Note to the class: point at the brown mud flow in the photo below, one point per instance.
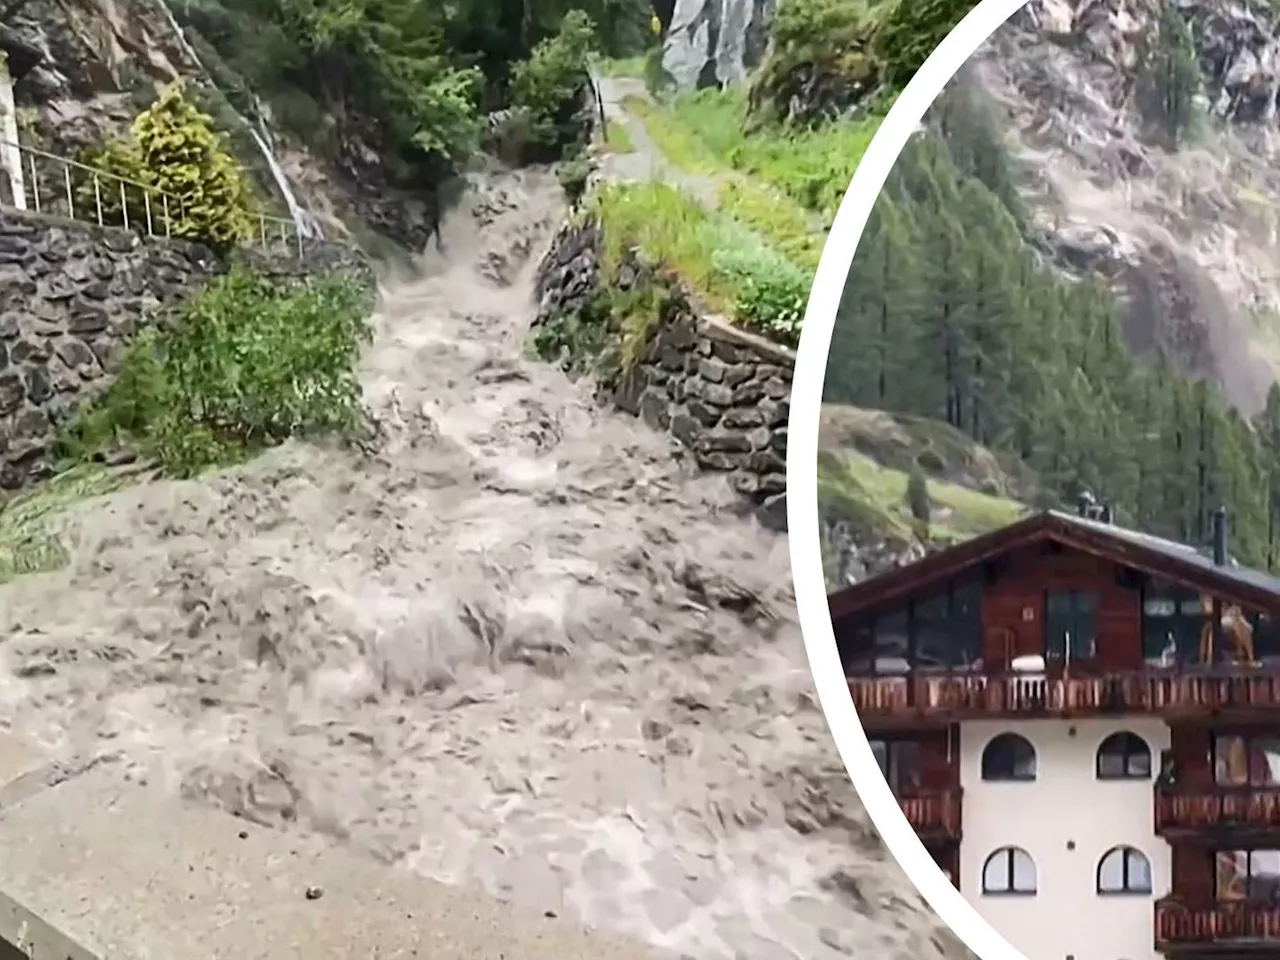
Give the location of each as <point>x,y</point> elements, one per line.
<point>518,646</point>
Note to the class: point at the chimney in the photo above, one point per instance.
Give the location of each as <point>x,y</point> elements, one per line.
<point>1108,513</point>
<point>1084,504</point>
<point>1220,536</point>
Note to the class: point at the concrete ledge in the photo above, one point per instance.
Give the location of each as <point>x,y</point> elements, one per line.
<point>94,870</point>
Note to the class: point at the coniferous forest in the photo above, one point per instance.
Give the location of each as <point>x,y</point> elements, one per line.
<point>950,313</point>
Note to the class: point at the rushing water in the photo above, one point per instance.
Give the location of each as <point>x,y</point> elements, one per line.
<point>518,647</point>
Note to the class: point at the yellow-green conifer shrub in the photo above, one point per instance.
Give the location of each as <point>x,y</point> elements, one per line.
<point>182,155</point>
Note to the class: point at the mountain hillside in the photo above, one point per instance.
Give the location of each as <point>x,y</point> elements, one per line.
<point>888,485</point>
<point>1074,263</point>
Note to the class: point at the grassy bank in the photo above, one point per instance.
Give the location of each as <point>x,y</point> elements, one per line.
<point>28,541</point>
<point>709,132</point>
<point>866,458</point>
<point>752,252</point>
<point>733,269</point>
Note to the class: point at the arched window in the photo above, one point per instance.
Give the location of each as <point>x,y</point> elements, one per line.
<point>1124,870</point>
<point>1010,870</point>
<point>1009,757</point>
<point>1124,756</point>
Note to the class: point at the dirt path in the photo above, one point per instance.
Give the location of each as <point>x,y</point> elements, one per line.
<point>646,161</point>
<point>520,648</point>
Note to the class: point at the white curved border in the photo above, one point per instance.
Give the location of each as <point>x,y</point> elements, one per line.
<point>802,480</point>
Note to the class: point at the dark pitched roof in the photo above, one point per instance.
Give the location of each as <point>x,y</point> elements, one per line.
<point>1179,563</point>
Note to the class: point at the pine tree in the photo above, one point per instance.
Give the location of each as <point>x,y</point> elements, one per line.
<point>1169,80</point>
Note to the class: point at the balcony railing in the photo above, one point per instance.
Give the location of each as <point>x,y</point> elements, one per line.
<point>1239,808</point>
<point>976,695</point>
<point>933,814</point>
<point>1230,923</point>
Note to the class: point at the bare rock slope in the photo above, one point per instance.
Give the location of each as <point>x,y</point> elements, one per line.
<point>517,646</point>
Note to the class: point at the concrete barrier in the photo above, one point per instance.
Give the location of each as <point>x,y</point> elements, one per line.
<point>91,869</point>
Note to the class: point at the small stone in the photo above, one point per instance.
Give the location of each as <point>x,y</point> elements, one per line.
<point>652,729</point>
<point>313,893</point>
<point>711,369</point>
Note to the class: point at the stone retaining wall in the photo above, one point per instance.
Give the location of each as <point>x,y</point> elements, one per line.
<point>71,293</point>
<point>721,392</point>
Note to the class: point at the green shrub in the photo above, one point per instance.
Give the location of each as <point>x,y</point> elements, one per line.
<point>910,30</point>
<point>573,176</point>
<point>770,292</point>
<point>243,366</point>
<point>550,86</point>
<point>174,150</point>
<point>918,502</point>
<point>183,156</point>
<point>112,199</point>
<point>821,62</point>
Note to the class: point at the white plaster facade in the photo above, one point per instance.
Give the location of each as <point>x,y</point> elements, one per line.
<point>1066,819</point>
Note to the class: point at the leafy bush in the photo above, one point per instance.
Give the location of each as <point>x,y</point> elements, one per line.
<point>573,176</point>
<point>918,502</point>
<point>174,150</point>
<point>729,266</point>
<point>910,30</point>
<point>770,291</point>
<point>821,62</point>
<point>183,156</point>
<point>1169,81</point>
<point>243,366</point>
<point>550,87</point>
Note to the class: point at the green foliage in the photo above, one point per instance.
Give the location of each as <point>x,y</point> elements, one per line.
<point>174,151</point>
<point>245,365</point>
<point>820,64</point>
<point>730,267</point>
<point>573,176</point>
<point>909,30</point>
<point>550,87</point>
<point>812,167</point>
<point>28,544</point>
<point>770,292</point>
<point>580,341</point>
<point>183,157</point>
<point>656,78</point>
<point>948,314</point>
<point>1169,80</point>
<point>917,497</point>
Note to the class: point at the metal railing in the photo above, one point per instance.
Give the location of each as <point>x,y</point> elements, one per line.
<point>62,187</point>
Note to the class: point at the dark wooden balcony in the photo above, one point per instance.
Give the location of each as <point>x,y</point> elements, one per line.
<point>1229,928</point>
<point>933,814</point>
<point>886,701</point>
<point>1219,813</point>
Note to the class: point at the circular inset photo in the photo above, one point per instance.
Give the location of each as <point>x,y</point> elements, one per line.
<point>1034,468</point>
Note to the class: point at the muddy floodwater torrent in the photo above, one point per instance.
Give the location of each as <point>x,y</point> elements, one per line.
<point>518,646</point>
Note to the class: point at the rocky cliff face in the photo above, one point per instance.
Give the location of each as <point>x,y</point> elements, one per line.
<point>715,42</point>
<point>1189,237</point>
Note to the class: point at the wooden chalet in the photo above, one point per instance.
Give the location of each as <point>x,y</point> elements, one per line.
<point>1061,616</point>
